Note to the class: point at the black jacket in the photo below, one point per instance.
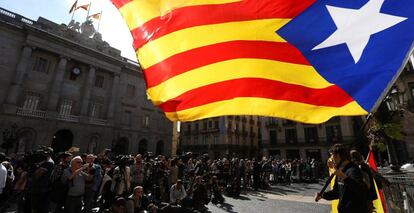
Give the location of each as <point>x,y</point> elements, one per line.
<point>352,192</point>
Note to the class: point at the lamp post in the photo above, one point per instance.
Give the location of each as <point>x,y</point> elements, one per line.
<point>9,137</point>
<point>395,105</point>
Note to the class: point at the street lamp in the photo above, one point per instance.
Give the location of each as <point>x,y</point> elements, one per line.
<point>395,104</point>
<point>395,101</point>
<point>9,137</point>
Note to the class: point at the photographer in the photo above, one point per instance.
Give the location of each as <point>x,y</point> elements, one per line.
<point>122,176</point>
<point>75,177</point>
<point>39,185</point>
<point>92,186</point>
<point>58,190</point>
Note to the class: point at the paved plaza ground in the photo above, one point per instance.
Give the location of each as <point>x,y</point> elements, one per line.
<point>295,198</point>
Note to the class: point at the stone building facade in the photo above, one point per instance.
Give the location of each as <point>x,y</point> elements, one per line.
<point>65,89</point>
<point>289,140</point>
<point>225,136</point>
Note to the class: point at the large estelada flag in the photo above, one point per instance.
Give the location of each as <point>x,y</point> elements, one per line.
<point>303,60</point>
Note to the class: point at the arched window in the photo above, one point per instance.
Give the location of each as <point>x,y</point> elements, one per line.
<point>160,148</point>
<point>143,146</point>
<point>62,140</point>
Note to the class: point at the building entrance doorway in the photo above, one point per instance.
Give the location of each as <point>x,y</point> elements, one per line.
<point>62,141</point>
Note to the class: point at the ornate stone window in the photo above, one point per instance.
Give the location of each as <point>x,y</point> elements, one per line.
<point>41,65</point>
<point>99,81</point>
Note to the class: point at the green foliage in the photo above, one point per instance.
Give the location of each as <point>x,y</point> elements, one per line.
<point>393,130</point>
<point>381,146</point>
<point>379,133</point>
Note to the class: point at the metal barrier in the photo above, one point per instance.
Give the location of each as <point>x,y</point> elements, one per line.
<point>398,190</point>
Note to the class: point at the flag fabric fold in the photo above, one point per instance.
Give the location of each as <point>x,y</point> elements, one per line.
<point>85,7</point>
<point>293,59</point>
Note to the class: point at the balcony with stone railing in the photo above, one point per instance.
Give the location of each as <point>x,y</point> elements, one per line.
<point>98,121</point>
<point>31,113</point>
<point>57,116</point>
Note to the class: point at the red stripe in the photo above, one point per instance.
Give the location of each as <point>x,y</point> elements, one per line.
<point>119,3</point>
<point>331,96</point>
<point>173,66</point>
<point>192,16</point>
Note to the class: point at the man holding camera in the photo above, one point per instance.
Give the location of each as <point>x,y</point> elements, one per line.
<point>92,186</point>
<point>76,177</point>
<point>39,184</point>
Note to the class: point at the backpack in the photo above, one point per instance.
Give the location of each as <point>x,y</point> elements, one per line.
<point>365,177</point>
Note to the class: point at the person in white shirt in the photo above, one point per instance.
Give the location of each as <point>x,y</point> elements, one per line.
<point>177,192</point>
<point>3,176</point>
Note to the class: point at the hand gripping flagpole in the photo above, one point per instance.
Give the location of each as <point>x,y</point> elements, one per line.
<point>328,181</point>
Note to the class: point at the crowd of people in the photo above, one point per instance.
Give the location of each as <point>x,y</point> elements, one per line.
<point>44,181</point>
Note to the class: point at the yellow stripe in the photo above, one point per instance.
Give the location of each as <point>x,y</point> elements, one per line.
<point>378,202</point>
<point>266,107</point>
<point>187,39</point>
<point>137,12</point>
<point>237,68</point>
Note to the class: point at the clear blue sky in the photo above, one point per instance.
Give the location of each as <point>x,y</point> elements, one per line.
<point>113,28</point>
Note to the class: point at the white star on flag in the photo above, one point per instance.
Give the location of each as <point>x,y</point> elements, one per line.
<point>355,26</point>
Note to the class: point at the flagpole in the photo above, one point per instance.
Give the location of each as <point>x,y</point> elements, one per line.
<point>89,9</point>
<point>74,9</point>
<point>73,13</point>
<point>100,18</point>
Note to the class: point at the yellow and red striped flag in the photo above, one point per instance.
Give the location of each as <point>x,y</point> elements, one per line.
<point>96,16</point>
<point>207,58</point>
<point>379,204</point>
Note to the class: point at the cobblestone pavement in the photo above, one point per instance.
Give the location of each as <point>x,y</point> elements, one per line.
<point>279,199</point>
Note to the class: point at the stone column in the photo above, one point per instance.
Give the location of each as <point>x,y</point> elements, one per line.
<point>16,85</point>
<point>87,92</point>
<point>57,83</point>
<point>113,99</point>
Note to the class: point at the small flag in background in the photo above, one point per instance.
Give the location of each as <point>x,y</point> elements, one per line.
<point>73,8</point>
<point>379,204</point>
<point>96,16</point>
<point>302,60</point>
<point>85,7</point>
